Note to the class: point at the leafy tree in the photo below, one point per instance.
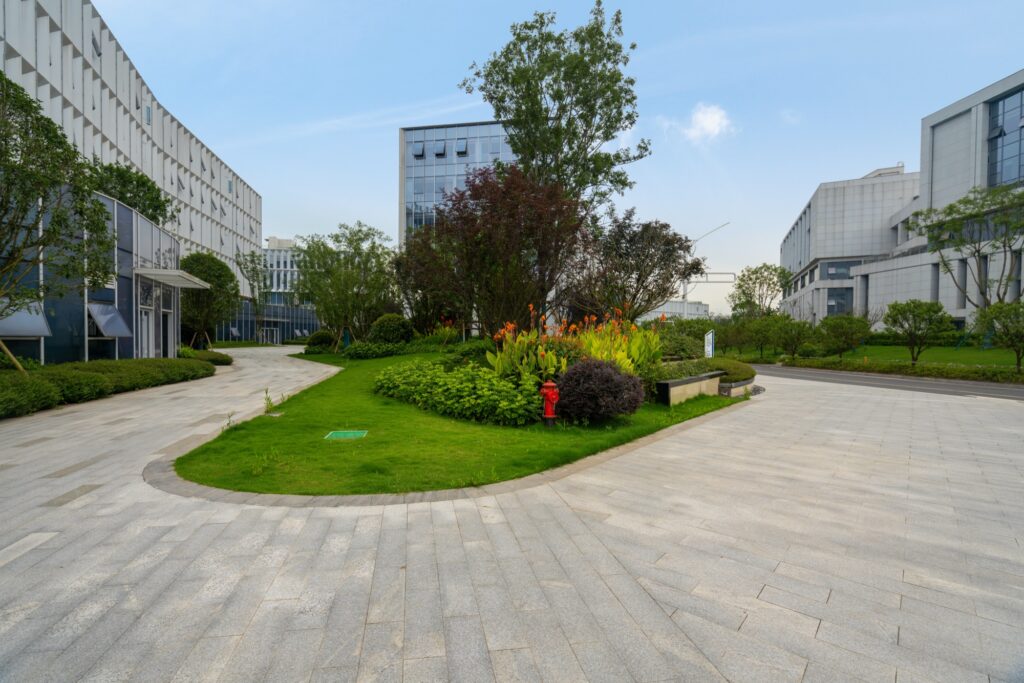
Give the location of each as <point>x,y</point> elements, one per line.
<point>985,225</point>
<point>425,305</point>
<point>758,289</point>
<point>761,332</point>
<point>843,333</point>
<point>791,334</point>
<point>630,265</point>
<point>136,189</point>
<point>47,206</point>
<point>1006,322</point>
<point>253,266</point>
<point>348,278</point>
<point>563,98</point>
<point>918,322</point>
<point>731,333</point>
<point>500,245</point>
<point>203,309</point>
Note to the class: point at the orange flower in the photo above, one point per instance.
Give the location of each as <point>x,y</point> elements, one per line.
<point>663,318</point>
<point>632,328</point>
<point>531,308</point>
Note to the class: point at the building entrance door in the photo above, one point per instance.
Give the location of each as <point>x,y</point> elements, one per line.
<point>165,334</point>
<point>145,333</point>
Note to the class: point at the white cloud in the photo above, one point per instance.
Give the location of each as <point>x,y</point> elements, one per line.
<point>791,117</point>
<point>707,122</point>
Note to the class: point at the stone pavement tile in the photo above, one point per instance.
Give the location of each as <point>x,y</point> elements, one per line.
<point>864,616</point>
<point>457,597</point>
<point>523,587</point>
<point>294,656</point>
<point>575,619</point>
<point>340,674</point>
<point>381,656</point>
<point>905,659</point>
<point>514,666</point>
<point>552,653</point>
<point>424,625</point>
<point>83,654</point>
<point>502,623</point>
<point>855,588</point>
<point>254,654</point>
<point>427,670</point>
<point>387,595</point>
<point>466,649</point>
<point>739,657</point>
<point>599,663</point>
<point>206,660</point>
<point>723,614</point>
<point>158,663</point>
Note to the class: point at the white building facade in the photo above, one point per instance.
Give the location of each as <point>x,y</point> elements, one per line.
<point>678,308</point>
<point>63,53</point>
<point>974,142</point>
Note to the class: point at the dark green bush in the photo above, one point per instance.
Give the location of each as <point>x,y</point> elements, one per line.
<point>390,328</point>
<point>469,392</point>
<point>472,351</point>
<point>811,351</point>
<point>26,363</point>
<point>735,371</point>
<point>185,351</point>
<point>316,350</point>
<point>75,386</point>
<point>596,391</point>
<point>364,350</point>
<point>984,373</point>
<point>322,337</point>
<point>214,357</point>
<point>21,395</point>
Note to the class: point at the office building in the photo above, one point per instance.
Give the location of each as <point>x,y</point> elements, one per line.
<point>974,142</point>
<point>63,53</point>
<point>674,308</point>
<point>435,159</point>
<point>137,316</point>
<point>284,317</point>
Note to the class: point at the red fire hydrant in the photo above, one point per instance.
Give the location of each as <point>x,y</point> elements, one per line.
<point>549,392</point>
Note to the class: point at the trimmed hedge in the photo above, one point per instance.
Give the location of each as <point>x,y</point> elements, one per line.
<point>215,357</point>
<point>889,338</point>
<point>981,373</point>
<point>321,338</point>
<point>76,382</point>
<point>735,371</point>
<point>364,350</point>
<point>469,392</point>
<point>21,395</point>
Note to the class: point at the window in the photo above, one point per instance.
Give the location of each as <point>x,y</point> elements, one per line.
<point>439,148</point>
<point>231,186</point>
<point>461,147</point>
<point>839,270</point>
<point>839,300</point>
<point>1006,128</point>
<point>417,150</point>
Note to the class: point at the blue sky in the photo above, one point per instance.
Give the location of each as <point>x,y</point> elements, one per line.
<point>749,105</point>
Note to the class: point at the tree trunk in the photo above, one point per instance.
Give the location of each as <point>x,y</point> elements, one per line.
<point>19,368</point>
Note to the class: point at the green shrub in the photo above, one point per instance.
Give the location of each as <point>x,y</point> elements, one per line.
<point>364,350</point>
<point>984,373</point>
<point>316,350</point>
<point>598,391</point>
<point>469,392</point>
<point>682,346</point>
<point>810,351</point>
<point>671,370</point>
<point>472,351</point>
<point>322,337</point>
<point>735,371</point>
<point>21,394</point>
<point>390,328</point>
<point>76,386</point>
<point>26,363</point>
<point>186,352</point>
<point>214,357</point>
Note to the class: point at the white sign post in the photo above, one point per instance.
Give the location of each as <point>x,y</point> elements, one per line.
<point>709,344</point>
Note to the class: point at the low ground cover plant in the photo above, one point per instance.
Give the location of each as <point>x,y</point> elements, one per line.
<point>214,357</point>
<point>51,385</point>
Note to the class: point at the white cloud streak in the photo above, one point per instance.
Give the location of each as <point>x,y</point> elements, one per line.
<point>707,122</point>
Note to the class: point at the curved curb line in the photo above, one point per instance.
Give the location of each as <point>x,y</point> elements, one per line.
<point>160,474</point>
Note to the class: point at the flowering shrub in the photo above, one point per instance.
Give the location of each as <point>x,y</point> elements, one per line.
<point>468,392</point>
<point>527,354</point>
<point>633,349</point>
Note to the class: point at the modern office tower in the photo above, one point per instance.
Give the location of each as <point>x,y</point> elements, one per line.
<point>974,142</point>
<point>284,318</point>
<point>63,53</point>
<point>435,159</point>
<point>843,224</point>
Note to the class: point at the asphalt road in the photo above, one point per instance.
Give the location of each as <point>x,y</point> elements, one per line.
<point>953,387</point>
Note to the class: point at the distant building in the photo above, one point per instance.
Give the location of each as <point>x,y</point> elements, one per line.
<point>435,159</point>
<point>284,317</point>
<point>679,309</point>
<point>868,262</point>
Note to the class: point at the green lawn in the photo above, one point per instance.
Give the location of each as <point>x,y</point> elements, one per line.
<point>236,344</point>
<point>965,355</point>
<point>406,449</point>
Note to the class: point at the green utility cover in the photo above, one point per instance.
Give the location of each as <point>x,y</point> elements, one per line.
<point>352,434</point>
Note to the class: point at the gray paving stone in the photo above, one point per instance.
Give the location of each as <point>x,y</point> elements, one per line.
<point>466,649</point>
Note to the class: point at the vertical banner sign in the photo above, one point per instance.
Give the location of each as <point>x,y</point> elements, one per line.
<point>709,344</point>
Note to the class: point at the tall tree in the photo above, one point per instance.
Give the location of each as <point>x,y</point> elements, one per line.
<point>1005,321</point>
<point>758,289</point>
<point>630,265</point>
<point>564,98</point>
<point>253,267</point>
<point>136,189</point>
<point>791,334</point>
<point>48,210</point>
<point>919,323</point>
<point>498,246</point>
<point>984,226</point>
<point>842,333</point>
<point>203,309</point>
<point>348,278</point>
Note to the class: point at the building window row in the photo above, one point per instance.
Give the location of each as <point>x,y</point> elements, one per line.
<point>1006,128</point>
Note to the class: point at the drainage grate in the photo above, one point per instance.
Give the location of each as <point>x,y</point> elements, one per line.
<point>351,434</point>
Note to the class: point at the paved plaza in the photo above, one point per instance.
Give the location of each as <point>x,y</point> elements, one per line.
<point>820,532</point>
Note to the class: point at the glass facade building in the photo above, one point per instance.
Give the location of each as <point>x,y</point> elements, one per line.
<point>1005,130</point>
<point>435,160</point>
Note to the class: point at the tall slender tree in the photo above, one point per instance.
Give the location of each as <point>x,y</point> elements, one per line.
<point>253,267</point>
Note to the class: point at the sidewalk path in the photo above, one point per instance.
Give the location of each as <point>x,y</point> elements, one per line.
<point>824,532</point>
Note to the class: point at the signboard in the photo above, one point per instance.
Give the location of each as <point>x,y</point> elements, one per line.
<point>709,344</point>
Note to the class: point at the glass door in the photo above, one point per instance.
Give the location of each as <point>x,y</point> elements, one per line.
<point>145,333</point>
